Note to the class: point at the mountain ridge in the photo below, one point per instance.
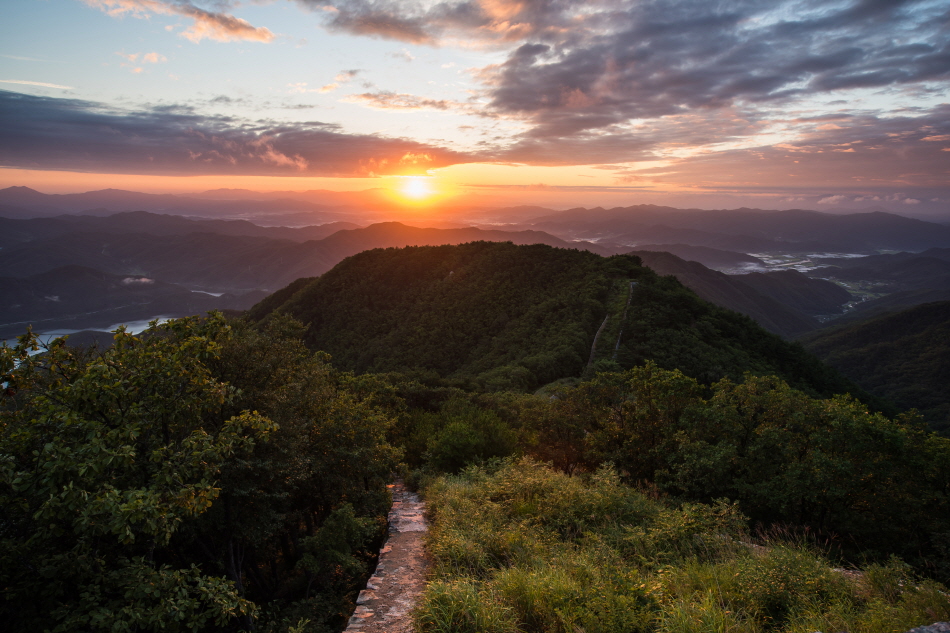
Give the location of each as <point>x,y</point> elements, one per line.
<point>501,315</point>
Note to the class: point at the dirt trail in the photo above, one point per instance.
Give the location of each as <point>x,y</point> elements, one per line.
<point>391,593</point>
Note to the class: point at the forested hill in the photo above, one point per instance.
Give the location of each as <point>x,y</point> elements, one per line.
<point>498,315</point>
<point>904,357</point>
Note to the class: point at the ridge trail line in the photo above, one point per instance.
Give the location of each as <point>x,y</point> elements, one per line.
<point>386,604</point>
<point>623,319</point>
<point>593,347</point>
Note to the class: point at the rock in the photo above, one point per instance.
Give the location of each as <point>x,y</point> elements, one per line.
<point>936,627</point>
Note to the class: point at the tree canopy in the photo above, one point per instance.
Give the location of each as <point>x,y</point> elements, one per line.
<point>195,477</point>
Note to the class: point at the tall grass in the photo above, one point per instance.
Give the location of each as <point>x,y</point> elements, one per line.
<point>521,548</point>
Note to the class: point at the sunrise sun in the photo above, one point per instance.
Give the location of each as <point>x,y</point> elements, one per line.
<point>415,187</point>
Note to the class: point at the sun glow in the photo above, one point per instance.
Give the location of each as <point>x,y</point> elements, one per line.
<point>415,187</point>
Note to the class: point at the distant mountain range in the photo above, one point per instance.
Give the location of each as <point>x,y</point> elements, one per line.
<point>748,230</point>
<point>222,263</point>
<point>25,203</point>
<point>238,256</point>
<point>283,208</point>
<point>703,249</point>
<point>21,231</point>
<point>741,230</point>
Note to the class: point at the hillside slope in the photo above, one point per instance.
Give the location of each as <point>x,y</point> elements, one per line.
<point>14,231</point>
<point>729,292</point>
<point>904,357</point>
<point>498,315</point>
<point>714,258</point>
<point>814,297</point>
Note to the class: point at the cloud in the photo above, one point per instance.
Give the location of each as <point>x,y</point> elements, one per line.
<point>669,57</point>
<point>574,68</point>
<point>834,199</point>
<point>376,19</point>
<point>217,26</point>
<point>401,101</point>
<point>153,58</point>
<point>346,75</point>
<point>404,55</point>
<point>76,135</point>
<point>133,59</point>
<point>34,83</point>
<point>559,142</point>
<point>473,22</point>
<point>301,86</point>
<point>341,78</point>
<point>890,154</point>
<point>23,59</point>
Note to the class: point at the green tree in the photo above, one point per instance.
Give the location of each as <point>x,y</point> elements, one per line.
<point>178,479</point>
<point>104,457</point>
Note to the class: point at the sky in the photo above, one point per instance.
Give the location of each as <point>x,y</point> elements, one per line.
<point>823,104</point>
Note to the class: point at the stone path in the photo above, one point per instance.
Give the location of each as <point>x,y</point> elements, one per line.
<point>391,593</point>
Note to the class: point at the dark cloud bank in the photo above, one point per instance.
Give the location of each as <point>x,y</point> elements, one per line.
<point>70,134</point>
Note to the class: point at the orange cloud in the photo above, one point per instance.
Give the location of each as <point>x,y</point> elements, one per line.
<point>401,101</point>
<point>220,27</point>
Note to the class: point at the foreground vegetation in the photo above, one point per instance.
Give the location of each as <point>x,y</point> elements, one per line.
<point>868,485</point>
<point>204,476</point>
<point>211,475</point>
<point>518,546</point>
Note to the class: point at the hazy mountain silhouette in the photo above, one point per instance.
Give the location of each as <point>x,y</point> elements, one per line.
<point>750,230</point>
<point>13,231</point>
<point>20,201</point>
<point>814,297</point>
<point>215,262</point>
<point>743,230</point>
